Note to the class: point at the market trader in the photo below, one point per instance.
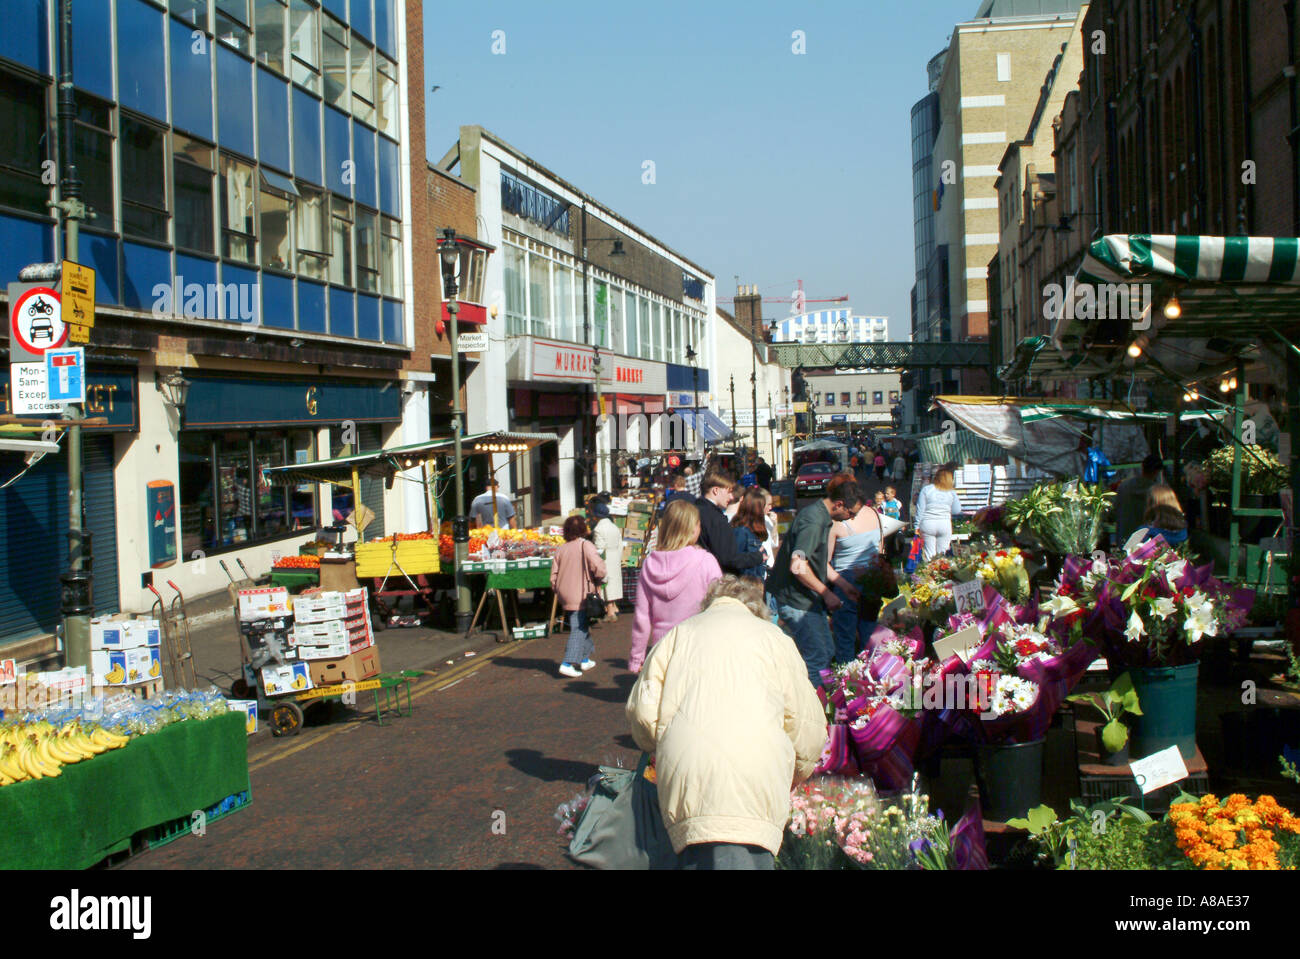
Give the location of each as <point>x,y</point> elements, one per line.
<point>715,531</point>
<point>481,509</point>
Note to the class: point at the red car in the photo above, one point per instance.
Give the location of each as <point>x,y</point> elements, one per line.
<point>812,478</point>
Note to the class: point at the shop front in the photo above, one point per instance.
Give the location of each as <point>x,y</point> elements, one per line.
<point>34,516</point>
<point>552,387</point>
<point>232,429</point>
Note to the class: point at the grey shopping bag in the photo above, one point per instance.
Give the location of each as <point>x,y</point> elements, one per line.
<point>622,828</point>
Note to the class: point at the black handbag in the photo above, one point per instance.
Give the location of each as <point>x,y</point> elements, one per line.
<point>593,606</point>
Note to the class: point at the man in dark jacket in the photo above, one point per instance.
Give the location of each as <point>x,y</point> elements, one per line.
<point>715,532</point>
<point>763,473</point>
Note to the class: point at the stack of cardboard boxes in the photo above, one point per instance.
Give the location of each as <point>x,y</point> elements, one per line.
<point>636,530</point>
<point>320,639</point>
<point>125,652</point>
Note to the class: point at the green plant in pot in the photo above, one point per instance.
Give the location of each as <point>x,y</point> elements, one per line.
<point>1114,704</point>
<point>1262,473</point>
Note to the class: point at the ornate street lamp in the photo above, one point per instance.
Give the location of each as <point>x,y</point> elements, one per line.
<point>449,252</point>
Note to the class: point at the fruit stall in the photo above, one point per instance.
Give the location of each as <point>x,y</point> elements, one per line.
<point>85,778</point>
<point>418,565</point>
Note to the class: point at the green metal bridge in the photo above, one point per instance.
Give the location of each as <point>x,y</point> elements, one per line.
<point>878,356</point>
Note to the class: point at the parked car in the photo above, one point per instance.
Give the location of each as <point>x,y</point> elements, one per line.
<point>812,478</point>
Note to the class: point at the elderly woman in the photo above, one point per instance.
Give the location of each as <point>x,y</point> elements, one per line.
<point>724,702</point>
<point>608,540</point>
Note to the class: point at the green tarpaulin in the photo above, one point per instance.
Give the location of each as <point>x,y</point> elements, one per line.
<point>97,805</point>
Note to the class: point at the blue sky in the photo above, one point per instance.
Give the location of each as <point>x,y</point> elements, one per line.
<point>770,165</point>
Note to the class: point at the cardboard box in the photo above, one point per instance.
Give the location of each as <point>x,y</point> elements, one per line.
<point>249,708</point>
<point>637,521</point>
<point>332,651</point>
<point>263,603</point>
<point>143,632</point>
<point>125,667</point>
<point>124,634</point>
<point>289,678</point>
<point>322,607</point>
<point>349,669</point>
<point>319,634</point>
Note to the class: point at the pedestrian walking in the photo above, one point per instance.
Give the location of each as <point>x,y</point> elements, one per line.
<point>693,478</point>
<point>722,704</point>
<point>935,507</point>
<point>900,467</point>
<point>749,527</point>
<point>852,547</point>
<point>673,580</point>
<point>608,540</point>
<point>763,473</point>
<point>802,600</point>
<point>880,466</point>
<point>576,568</point>
<point>715,529</point>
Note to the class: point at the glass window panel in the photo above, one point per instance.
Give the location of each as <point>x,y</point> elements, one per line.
<point>302,498</point>
<point>313,232</point>
<point>539,294</point>
<point>367,233</point>
<point>341,242</point>
<point>92,144</point>
<point>22,117</point>
<point>232,34</point>
<point>387,120</point>
<point>269,33</point>
<point>363,82</point>
<point>277,229</point>
<point>192,174</point>
<point>235,8</point>
<point>568,327</point>
<point>657,331</point>
<point>630,324</point>
<point>390,267</point>
<point>600,313</point>
<point>304,29</point>
<point>616,319</point>
<point>514,291</point>
<point>193,12</point>
<point>272,501</point>
<point>472,268</point>
<point>334,65</point>
<point>235,489</point>
<point>238,211</point>
<point>198,505</point>
<point>647,341</point>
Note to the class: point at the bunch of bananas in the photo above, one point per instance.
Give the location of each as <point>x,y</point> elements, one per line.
<point>39,750</point>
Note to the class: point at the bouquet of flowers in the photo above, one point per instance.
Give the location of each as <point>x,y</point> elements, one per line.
<point>1237,833</point>
<point>1004,570</point>
<point>873,705</point>
<point>1262,473</point>
<point>1065,517</point>
<point>1152,608</point>
<point>846,823</point>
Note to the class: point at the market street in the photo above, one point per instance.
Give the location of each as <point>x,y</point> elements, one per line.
<point>503,733</point>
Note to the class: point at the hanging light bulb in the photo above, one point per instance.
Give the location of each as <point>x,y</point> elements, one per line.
<point>1173,309</point>
<point>1134,349</point>
<point>1225,387</point>
<point>1232,383</point>
<point>1191,396</point>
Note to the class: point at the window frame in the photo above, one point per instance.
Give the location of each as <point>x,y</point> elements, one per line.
<point>44,140</point>
<point>302,72</point>
<point>344,211</point>
<point>185,160</point>
<point>164,141</point>
<point>253,261</point>
<point>281,68</point>
<point>107,219</point>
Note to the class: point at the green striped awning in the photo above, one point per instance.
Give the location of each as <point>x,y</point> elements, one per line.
<point>1234,292</point>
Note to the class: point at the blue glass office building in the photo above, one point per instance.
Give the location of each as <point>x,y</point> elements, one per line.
<point>244,163</point>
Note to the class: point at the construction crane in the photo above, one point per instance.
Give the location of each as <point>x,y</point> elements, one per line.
<point>797,302</point>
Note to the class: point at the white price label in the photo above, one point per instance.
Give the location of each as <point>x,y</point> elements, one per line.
<point>1159,770</point>
<point>961,644</point>
<point>968,597</point>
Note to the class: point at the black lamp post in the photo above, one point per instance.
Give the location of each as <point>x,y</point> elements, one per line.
<point>692,358</point>
<point>733,411</point>
<point>449,252</point>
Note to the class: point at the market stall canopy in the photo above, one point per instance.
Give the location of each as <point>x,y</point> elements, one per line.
<point>820,446</point>
<point>1195,305</point>
<point>1054,434</point>
<point>714,430</point>
<point>396,459</point>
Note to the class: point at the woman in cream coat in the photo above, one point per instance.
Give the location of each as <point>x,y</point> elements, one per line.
<point>725,704</point>
<point>608,540</point>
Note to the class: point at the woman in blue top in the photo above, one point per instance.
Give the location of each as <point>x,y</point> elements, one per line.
<point>1164,516</point>
<point>749,526</point>
<point>935,507</point>
<point>853,545</point>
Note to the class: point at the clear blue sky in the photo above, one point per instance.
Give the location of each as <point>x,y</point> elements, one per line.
<point>770,165</point>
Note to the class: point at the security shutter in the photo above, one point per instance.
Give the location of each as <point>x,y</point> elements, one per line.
<point>34,544</point>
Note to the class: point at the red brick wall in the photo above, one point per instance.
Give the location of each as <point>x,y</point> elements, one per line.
<point>423,252</point>
<point>449,203</point>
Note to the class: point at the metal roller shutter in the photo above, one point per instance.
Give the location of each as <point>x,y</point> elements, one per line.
<point>369,439</point>
<point>33,539</point>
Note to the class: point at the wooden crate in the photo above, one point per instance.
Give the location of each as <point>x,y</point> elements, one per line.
<point>413,555</point>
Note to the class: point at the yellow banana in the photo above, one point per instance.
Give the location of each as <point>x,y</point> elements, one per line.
<point>56,748</point>
<point>9,764</point>
<point>42,750</point>
<point>111,740</point>
<point>31,765</point>
<point>79,744</point>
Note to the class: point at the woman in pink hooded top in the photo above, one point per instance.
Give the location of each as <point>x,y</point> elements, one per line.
<point>674,579</point>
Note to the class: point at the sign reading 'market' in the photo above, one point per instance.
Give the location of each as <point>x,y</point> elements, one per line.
<point>552,361</point>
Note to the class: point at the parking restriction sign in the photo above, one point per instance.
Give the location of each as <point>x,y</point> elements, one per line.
<point>65,372</point>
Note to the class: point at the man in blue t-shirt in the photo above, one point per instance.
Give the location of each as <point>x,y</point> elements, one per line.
<point>481,509</point>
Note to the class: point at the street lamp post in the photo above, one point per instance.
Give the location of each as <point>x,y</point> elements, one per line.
<point>733,411</point>
<point>692,357</point>
<point>449,252</point>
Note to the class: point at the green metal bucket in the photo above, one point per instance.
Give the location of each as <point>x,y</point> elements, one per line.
<point>1010,778</point>
<point>1167,696</point>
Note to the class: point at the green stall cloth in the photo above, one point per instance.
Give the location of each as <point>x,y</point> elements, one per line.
<point>91,811</point>
<point>521,579</point>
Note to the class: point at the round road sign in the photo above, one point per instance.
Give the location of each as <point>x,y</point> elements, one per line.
<point>36,320</point>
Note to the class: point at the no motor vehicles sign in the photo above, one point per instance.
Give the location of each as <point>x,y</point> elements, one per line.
<point>35,322</point>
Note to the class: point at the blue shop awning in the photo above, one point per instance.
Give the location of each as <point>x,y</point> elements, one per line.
<point>714,430</point>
